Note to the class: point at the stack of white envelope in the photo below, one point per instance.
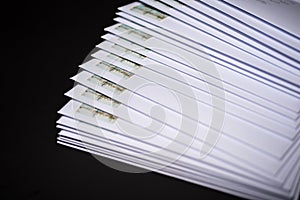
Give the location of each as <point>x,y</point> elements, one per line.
<point>203,90</point>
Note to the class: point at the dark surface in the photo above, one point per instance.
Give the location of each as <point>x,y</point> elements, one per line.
<point>43,45</point>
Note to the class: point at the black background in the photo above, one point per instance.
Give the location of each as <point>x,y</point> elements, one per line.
<point>42,46</point>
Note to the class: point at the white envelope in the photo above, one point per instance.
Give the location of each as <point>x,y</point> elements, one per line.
<point>201,92</point>
<point>249,25</point>
<point>269,164</point>
<point>267,11</point>
<point>206,18</point>
<point>147,56</point>
<point>80,137</point>
<point>221,33</point>
<point>231,77</point>
<point>220,49</point>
